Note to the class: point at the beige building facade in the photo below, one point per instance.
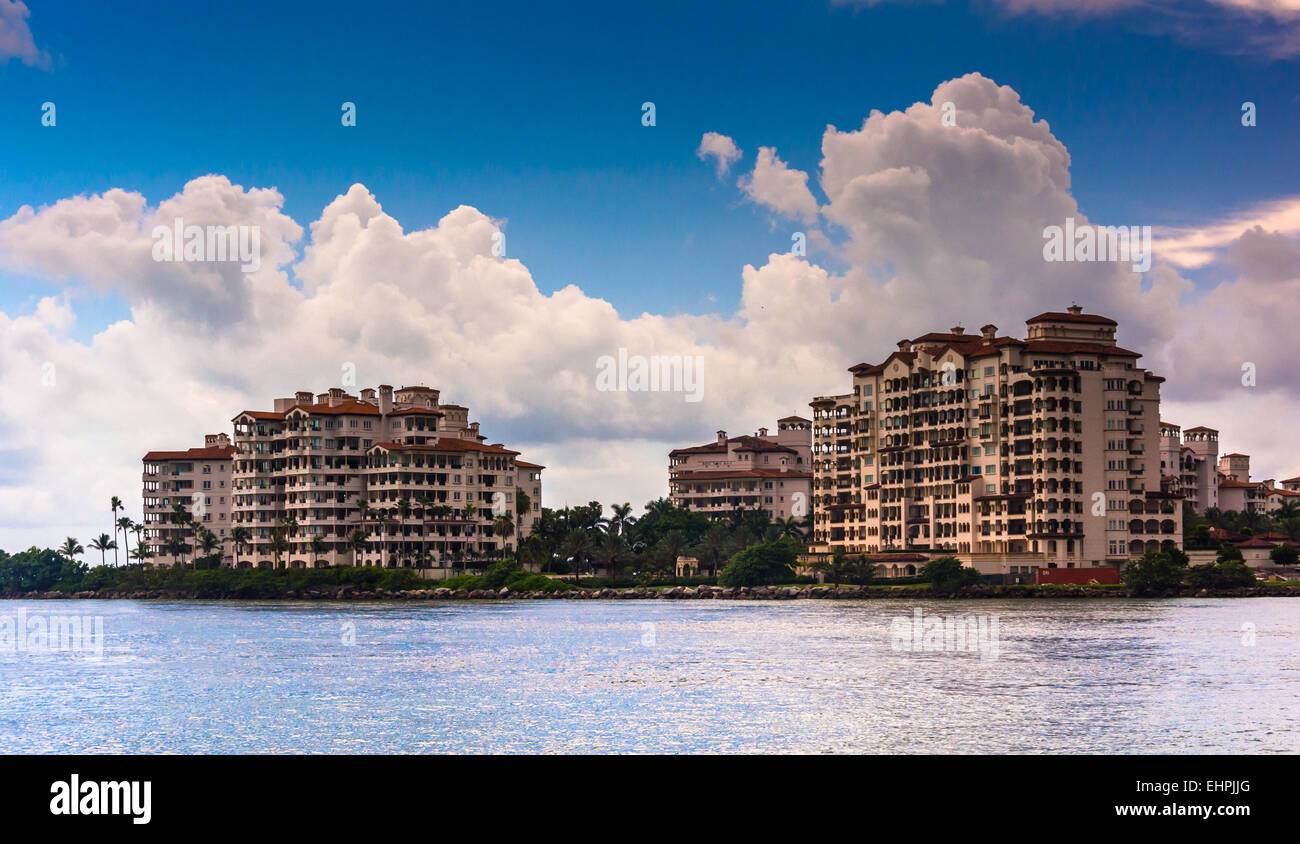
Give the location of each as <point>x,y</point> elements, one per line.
<point>201,481</point>
<point>1009,453</point>
<point>391,478</point>
<point>765,471</point>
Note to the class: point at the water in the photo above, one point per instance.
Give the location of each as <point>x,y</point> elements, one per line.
<point>813,676</point>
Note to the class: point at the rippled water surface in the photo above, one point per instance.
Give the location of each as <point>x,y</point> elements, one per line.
<point>1175,676</point>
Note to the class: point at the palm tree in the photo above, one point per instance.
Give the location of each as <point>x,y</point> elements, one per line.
<point>140,554</point>
<point>317,548</point>
<point>403,512</point>
<point>71,549</point>
<point>790,527</point>
<point>575,549</point>
<point>384,517</point>
<point>1286,510</point>
<point>289,525</point>
<point>116,504</point>
<point>622,518</point>
<point>523,505</point>
<point>209,542</point>
<point>611,552</point>
<point>102,544</point>
<point>125,525</point>
<point>278,545</point>
<point>196,533</point>
<point>426,504</point>
<point>138,529</point>
<point>503,526</point>
<point>714,546</point>
<point>239,537</point>
<point>175,547</point>
<point>357,545</point>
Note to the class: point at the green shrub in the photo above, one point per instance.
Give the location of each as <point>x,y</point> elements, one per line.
<point>947,574</point>
<point>1225,575</point>
<point>760,565</point>
<point>1284,555</point>
<point>1156,572</point>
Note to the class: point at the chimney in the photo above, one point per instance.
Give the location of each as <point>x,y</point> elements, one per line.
<point>385,399</point>
<point>323,398</point>
<point>1075,309</point>
<point>905,345</point>
<point>302,397</point>
<point>722,437</point>
<point>336,396</point>
<point>762,432</point>
<point>473,430</point>
<point>958,330</point>
<point>989,332</point>
<point>368,394</point>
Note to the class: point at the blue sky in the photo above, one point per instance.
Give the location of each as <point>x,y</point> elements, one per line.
<point>532,115</point>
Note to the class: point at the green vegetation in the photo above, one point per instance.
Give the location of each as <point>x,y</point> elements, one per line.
<point>763,564</point>
<point>581,540</point>
<point>1224,575</point>
<point>1156,572</point>
<point>947,574</point>
<point>39,570</point>
<point>1284,555</point>
<point>1285,521</point>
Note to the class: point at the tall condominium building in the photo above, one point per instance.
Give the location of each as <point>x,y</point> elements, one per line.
<point>412,475</point>
<point>760,472</point>
<point>200,480</point>
<point>1008,453</point>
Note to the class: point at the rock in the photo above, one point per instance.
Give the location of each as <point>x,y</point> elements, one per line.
<point>504,593</point>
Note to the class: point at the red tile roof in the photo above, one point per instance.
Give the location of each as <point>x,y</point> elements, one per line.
<point>344,407</point>
<point>723,474</point>
<point>523,464</point>
<point>1057,316</point>
<point>445,444</point>
<point>216,452</point>
<point>745,443</point>
<point>1065,347</point>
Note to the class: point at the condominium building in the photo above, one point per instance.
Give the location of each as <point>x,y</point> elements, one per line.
<point>770,472</point>
<point>414,477</point>
<point>1009,453</point>
<point>200,480</point>
<point>1191,466</point>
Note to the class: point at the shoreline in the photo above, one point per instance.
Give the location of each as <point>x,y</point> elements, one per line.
<point>743,593</point>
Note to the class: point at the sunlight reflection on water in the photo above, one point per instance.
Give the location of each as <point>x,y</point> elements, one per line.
<point>658,676</point>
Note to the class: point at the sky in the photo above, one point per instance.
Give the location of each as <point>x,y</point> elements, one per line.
<point>520,126</point>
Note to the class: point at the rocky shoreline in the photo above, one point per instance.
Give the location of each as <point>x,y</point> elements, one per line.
<point>744,593</point>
